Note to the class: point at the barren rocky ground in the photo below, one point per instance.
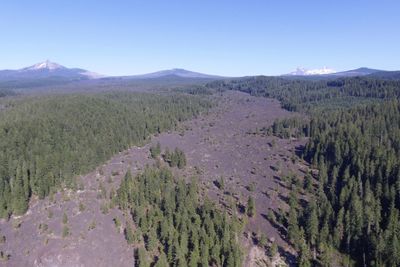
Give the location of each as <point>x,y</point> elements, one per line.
<point>217,144</point>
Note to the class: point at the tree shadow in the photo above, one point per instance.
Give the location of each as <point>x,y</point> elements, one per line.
<point>241,208</point>
<point>303,171</point>
<point>289,257</point>
<point>280,182</point>
<point>281,229</point>
<point>217,184</point>
<point>303,203</point>
<point>266,194</point>
<point>277,178</point>
<point>283,198</point>
<point>298,150</point>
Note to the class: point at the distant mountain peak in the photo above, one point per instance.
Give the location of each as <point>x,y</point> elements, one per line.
<point>48,69</point>
<point>178,72</point>
<point>357,72</point>
<point>45,65</point>
<point>304,72</point>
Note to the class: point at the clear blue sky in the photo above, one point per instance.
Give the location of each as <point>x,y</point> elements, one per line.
<point>212,36</point>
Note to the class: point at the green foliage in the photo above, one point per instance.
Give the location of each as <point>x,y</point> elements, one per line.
<point>81,207</point>
<point>65,218</point>
<point>117,222</point>
<point>251,187</point>
<point>155,150</point>
<point>288,127</point>
<point>4,256</point>
<point>262,240</point>
<point>196,90</point>
<point>102,192</point>
<point>354,142</point>
<point>6,92</point>
<point>308,184</point>
<point>142,258</point>
<point>92,225</point>
<point>104,207</point>
<point>162,260</point>
<point>175,159</point>
<point>128,234</point>
<point>220,183</point>
<point>310,95</point>
<point>65,231</point>
<point>46,141</point>
<point>251,207</point>
<point>273,250</point>
<point>304,259</point>
<point>173,220</point>
<point>356,207</point>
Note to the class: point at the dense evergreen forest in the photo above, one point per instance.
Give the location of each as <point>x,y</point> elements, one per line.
<point>354,132</point>
<point>176,227</point>
<point>6,92</point>
<point>305,95</point>
<point>356,206</point>
<point>46,141</point>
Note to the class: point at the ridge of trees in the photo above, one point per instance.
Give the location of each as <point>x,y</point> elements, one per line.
<point>6,92</point>
<point>306,95</point>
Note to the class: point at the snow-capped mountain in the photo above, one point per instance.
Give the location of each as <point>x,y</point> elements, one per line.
<point>48,69</point>
<point>44,65</point>
<point>306,72</point>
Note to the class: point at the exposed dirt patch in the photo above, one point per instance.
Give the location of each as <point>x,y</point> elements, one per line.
<point>217,144</point>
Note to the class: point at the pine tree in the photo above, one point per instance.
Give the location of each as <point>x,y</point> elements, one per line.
<point>308,182</point>
<point>293,227</point>
<point>204,254</point>
<point>65,231</point>
<point>65,218</point>
<point>251,208</point>
<point>155,150</point>
<point>273,250</point>
<point>194,257</point>
<point>162,260</point>
<point>25,181</point>
<point>326,255</point>
<point>304,255</point>
<point>129,234</point>
<point>20,202</point>
<point>312,225</point>
<point>151,241</point>
<point>142,258</point>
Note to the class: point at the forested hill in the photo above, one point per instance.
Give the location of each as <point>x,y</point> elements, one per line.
<point>45,142</point>
<point>354,133</point>
<point>302,95</point>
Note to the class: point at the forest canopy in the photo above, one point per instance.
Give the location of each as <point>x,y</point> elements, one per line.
<point>305,95</point>
<point>177,227</point>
